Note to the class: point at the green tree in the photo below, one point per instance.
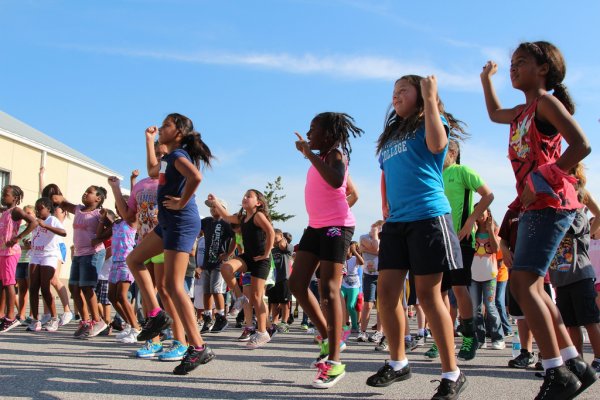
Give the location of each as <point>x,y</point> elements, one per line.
<point>273,198</point>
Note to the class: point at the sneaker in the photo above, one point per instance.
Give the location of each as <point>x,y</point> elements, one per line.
<point>523,360</point>
<point>290,320</point>
<point>45,318</point>
<point>118,324</point>
<point>125,332</point>
<point>596,367</point>
<point>106,331</point>
<point>83,330</point>
<point>382,345</point>
<point>52,325</point>
<point>34,326</point>
<point>149,350</point>
<point>208,323</point>
<point>174,353</point>
<point>7,325</point>
<point>362,337</point>
<point>131,337</point>
<point>65,318</point>
<point>374,327</point>
<point>304,327</point>
<point>376,337</point>
<point>583,371</point>
<point>482,345</point>
<point>559,383</point>
<point>97,327</point>
<point>257,340</point>
<point>323,355</point>
<point>410,344</point>
<point>468,349</point>
<point>220,324</point>
<point>498,345</point>
<point>246,333</point>
<point>282,327</point>
<point>433,352</point>
<point>386,375</point>
<point>420,340</point>
<point>449,390</point>
<point>166,334</point>
<point>328,375</point>
<point>239,324</point>
<point>272,330</point>
<point>193,358</point>
<point>238,305</point>
<point>346,331</point>
<point>154,325</point>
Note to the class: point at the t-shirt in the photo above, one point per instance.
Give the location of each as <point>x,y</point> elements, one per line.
<point>45,243</point>
<point>171,183</point>
<point>143,200</point>
<point>413,178</point>
<point>351,279</point>
<point>122,241</point>
<point>281,259</point>
<point>485,265</point>
<point>218,236</point>
<point>594,253</point>
<point>509,228</point>
<point>572,262</point>
<point>371,260</point>
<point>104,270</point>
<point>84,230</point>
<point>458,179</point>
<point>25,256</point>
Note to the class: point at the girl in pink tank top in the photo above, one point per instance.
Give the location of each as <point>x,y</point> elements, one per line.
<point>10,251</point>
<point>325,241</point>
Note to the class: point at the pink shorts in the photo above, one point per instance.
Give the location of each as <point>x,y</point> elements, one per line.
<point>8,269</point>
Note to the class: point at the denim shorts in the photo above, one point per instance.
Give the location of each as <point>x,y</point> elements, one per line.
<point>84,269</point>
<point>179,234</point>
<point>370,287</point>
<point>538,236</point>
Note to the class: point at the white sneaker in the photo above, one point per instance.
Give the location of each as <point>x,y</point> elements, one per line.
<point>97,327</point>
<point>498,345</point>
<point>259,339</point>
<point>52,325</point>
<point>238,305</point>
<point>125,332</point>
<point>132,337</point>
<point>65,318</point>
<point>376,337</point>
<point>45,318</point>
<point>34,326</point>
<point>362,337</point>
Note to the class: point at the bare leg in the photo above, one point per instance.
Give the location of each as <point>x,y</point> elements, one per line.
<point>46,274</point>
<point>166,297</point>
<point>150,246</point>
<point>331,279</point>
<point>305,265</point>
<point>34,290</point>
<point>389,302</point>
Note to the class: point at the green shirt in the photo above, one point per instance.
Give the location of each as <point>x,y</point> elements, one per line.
<point>457,179</point>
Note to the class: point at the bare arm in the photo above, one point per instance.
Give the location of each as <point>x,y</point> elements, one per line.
<point>263,223</point>
<point>595,210</point>
<point>41,181</point>
<point>133,178</point>
<point>53,229</point>
<point>435,133</point>
<point>351,192</point>
<point>494,109</point>
<point>192,181</point>
<point>130,216</point>
<point>18,214</point>
<point>506,253</point>
<point>63,203</point>
<point>230,218</point>
<point>359,259</point>
<point>385,209</point>
<point>332,170</point>
<point>152,163</point>
<point>487,197</point>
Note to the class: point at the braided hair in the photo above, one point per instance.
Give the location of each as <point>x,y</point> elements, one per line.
<point>17,193</point>
<point>338,127</point>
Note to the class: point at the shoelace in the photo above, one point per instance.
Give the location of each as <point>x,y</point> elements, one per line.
<point>467,343</point>
<point>322,371</point>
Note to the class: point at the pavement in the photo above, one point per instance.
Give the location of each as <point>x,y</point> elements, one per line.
<point>47,365</point>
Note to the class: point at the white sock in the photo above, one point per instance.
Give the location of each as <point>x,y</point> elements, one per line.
<point>326,340</point>
<point>398,365</point>
<point>422,332</point>
<point>408,337</point>
<point>568,353</point>
<point>548,363</point>
<point>209,313</point>
<point>334,362</point>
<point>452,375</point>
<point>221,312</point>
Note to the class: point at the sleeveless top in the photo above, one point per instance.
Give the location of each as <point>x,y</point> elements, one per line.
<point>254,238</point>
<point>528,150</point>
<point>9,228</point>
<point>326,206</point>
<point>122,241</point>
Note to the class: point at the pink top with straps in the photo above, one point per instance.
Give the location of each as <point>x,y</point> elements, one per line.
<point>9,228</point>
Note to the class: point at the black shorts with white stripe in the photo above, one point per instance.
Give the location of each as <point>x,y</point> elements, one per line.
<point>424,247</point>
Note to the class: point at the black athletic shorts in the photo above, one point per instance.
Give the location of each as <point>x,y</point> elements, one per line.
<point>328,244</point>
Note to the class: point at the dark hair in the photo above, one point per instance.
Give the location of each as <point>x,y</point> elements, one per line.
<point>396,127</point>
<point>263,208</point>
<point>453,143</point>
<point>47,203</point>
<point>100,192</point>
<point>17,193</point>
<point>547,53</point>
<point>51,190</point>
<point>192,140</point>
<point>338,127</point>
<point>277,230</point>
<point>287,236</point>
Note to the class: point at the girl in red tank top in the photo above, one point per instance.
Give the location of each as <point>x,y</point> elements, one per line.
<point>547,199</point>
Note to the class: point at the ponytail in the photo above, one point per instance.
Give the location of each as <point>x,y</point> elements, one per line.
<point>562,94</point>
<point>198,150</point>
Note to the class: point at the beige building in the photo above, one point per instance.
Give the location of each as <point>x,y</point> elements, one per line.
<point>25,150</point>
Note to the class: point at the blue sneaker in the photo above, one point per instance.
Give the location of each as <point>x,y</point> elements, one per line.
<point>175,353</point>
<point>149,350</point>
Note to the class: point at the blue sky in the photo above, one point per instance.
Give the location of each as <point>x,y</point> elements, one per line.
<point>95,75</point>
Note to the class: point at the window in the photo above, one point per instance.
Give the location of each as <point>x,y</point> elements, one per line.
<point>4,178</point>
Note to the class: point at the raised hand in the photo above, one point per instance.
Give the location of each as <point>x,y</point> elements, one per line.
<point>113,181</point>
<point>302,145</point>
<point>489,69</point>
<point>135,173</point>
<point>429,88</point>
<point>151,133</point>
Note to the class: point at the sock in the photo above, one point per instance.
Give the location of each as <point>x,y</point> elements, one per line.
<point>221,312</point>
<point>398,365</point>
<point>334,362</point>
<point>154,312</point>
<point>467,327</point>
<point>199,348</point>
<point>548,363</point>
<point>325,341</point>
<point>408,337</point>
<point>568,353</point>
<point>452,375</point>
<point>209,313</point>
<point>422,332</point>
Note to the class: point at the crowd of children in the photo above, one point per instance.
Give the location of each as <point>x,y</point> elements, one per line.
<point>436,254</point>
